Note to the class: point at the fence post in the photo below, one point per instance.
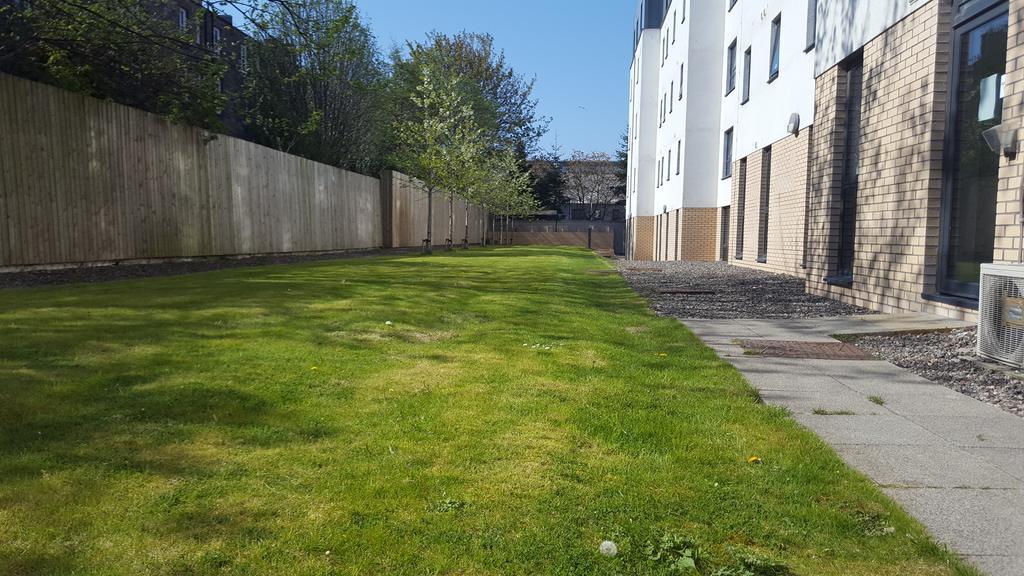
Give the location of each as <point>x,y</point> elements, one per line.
<point>590,237</point>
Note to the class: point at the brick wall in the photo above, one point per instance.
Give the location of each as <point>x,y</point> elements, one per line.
<point>641,230</point>
<point>699,234</point>
<point>1008,207</point>
<point>786,186</point>
<point>900,169</point>
<point>686,234</point>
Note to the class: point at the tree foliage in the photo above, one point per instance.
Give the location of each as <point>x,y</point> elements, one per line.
<point>117,50</point>
<point>314,85</point>
<point>591,180</point>
<point>441,144</point>
<point>503,102</point>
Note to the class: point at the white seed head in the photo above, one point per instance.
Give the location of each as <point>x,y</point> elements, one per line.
<point>608,548</point>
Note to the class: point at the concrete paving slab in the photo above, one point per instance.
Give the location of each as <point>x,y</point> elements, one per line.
<point>936,401</point>
<point>851,371</point>
<point>955,463</point>
<point>719,329</point>
<point>926,467</point>
<point>776,381</point>
<point>1009,460</point>
<point>891,430</point>
<point>837,399</point>
<point>999,430</point>
<point>972,522</point>
<point>998,565</point>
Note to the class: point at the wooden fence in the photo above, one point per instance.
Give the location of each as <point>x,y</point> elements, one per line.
<point>405,219</point>
<point>84,180</point>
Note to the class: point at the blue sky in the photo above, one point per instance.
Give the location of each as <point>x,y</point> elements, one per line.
<point>579,50</point>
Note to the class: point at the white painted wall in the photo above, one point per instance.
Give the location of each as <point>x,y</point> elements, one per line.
<point>845,26</point>
<point>643,125</point>
<point>763,119</point>
<point>693,105</point>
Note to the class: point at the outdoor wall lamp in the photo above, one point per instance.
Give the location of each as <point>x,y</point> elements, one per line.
<point>1002,139</point>
<point>793,127</point>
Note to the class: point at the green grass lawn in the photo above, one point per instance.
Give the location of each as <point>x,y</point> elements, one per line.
<point>521,406</point>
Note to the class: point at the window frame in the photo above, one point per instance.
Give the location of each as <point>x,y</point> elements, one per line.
<point>775,49</point>
<point>747,65</point>
<point>730,67</point>
<point>812,25</point>
<point>727,151</point>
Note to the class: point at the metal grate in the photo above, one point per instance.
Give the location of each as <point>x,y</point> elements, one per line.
<point>805,350</point>
<point>1001,314</point>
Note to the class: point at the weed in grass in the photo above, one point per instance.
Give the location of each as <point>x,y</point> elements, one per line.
<point>826,412</point>
<point>676,553</point>
<point>877,400</point>
<point>446,505</point>
<point>749,564</point>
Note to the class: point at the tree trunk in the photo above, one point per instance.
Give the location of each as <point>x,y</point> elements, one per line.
<point>428,242</point>
<point>465,239</point>
<point>451,222</point>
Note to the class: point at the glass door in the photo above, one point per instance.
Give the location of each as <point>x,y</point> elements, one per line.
<point>971,169</point>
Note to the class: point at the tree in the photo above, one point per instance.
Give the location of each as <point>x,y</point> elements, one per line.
<point>315,82</point>
<point>622,165</point>
<point>441,145</point>
<point>503,102</point>
<point>503,187</point>
<point>547,181</point>
<point>117,50</point>
<point>591,181</point>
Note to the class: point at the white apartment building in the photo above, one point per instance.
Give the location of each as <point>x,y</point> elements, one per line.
<point>833,140</point>
<point>675,63</point>
<point>723,69</point>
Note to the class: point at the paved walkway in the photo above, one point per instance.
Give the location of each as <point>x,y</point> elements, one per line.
<point>955,463</point>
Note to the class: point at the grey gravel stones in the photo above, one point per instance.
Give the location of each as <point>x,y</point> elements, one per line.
<point>716,290</point>
<point>947,358</point>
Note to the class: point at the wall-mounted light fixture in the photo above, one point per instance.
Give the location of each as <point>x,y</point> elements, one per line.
<point>793,127</point>
<point>1002,139</point>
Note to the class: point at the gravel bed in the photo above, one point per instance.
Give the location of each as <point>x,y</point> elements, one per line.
<point>110,273</point>
<point>947,358</point>
<point>721,291</point>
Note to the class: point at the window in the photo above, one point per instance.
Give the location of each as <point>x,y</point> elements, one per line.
<point>216,35</point>
<point>182,19</point>
<point>741,208</point>
<point>684,12</point>
<point>727,154</point>
<point>199,33</point>
<point>668,176</point>
<point>682,74</point>
<point>746,77</point>
<point>723,235</point>
<point>679,154</point>
<point>812,23</point>
<point>671,104</point>
<point>730,71</point>
<point>731,4</point>
<point>243,55</point>
<point>843,272</point>
<point>773,59</point>
<point>673,27</point>
<point>766,190</point>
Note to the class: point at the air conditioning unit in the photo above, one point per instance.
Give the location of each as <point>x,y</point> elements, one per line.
<point>1001,314</point>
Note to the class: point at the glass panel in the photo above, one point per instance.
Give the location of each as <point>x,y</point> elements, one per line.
<point>970,226</point>
<point>851,167</point>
